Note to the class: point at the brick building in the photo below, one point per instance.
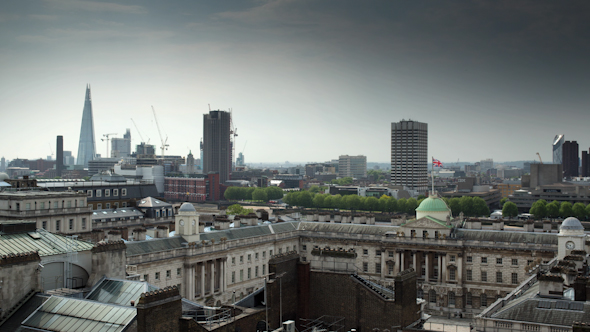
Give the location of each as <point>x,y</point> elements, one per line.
<point>198,188</point>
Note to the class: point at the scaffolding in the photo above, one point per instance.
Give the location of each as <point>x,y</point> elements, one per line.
<point>323,323</point>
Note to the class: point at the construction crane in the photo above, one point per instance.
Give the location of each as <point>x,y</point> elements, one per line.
<point>50,150</point>
<point>233,132</point>
<point>140,136</point>
<point>541,160</point>
<point>164,145</point>
<point>107,139</point>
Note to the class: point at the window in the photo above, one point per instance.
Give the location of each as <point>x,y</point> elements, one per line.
<point>515,278</point>
<point>124,204</point>
<point>241,275</point>
<point>390,269</point>
<point>157,276</point>
<point>469,275</point>
<point>270,252</point>
<point>89,192</point>
<point>484,260</point>
<point>365,267</point>
<point>264,254</point>
<point>42,205</point>
<point>71,224</point>
<point>69,204</point>
<point>57,225</point>
<point>263,269</point>
<point>452,258</point>
<point>146,277</point>
<point>169,213</point>
<point>420,293</point>
<point>44,225</point>
<point>484,276</point>
<point>108,205</point>
<point>451,274</point>
<point>81,203</point>
<point>168,274</point>
<point>178,270</point>
<point>98,206</point>
<point>233,277</point>
<point>123,192</point>
<point>377,267</point>
<point>468,299</point>
<point>28,206</point>
<point>499,277</point>
<point>115,192</point>
<point>365,252</point>
<point>413,233</point>
<point>157,213</point>
<point>280,250</point>
<point>499,260</point>
<point>515,261</point>
<point>249,257</point>
<point>469,259</point>
<point>391,254</point>
<point>432,296</point>
<point>303,259</point>
<point>287,250</point>
<point>377,252</point>
<point>116,205</point>
<point>233,260</point>
<point>294,248</point>
<point>98,193</point>
<point>304,247</point>
<point>436,234</point>
<point>484,300</point>
<point>424,234</point>
<point>256,271</point>
<point>256,256</point>
<point>55,205</point>
<point>241,259</point>
<point>451,298</point>
<point>83,223</point>
<point>107,193</point>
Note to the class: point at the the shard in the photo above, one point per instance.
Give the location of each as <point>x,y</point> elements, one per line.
<point>87,145</point>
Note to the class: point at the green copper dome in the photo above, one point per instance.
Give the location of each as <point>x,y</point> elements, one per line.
<point>433,204</point>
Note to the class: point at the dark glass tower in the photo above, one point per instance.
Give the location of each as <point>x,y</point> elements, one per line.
<point>87,145</point>
<point>409,155</point>
<point>216,144</point>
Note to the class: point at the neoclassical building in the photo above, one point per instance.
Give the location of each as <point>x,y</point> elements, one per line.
<point>462,266</point>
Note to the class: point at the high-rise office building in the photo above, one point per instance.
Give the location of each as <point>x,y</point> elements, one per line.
<point>121,147</point>
<point>59,156</point>
<point>409,155</point>
<point>352,166</point>
<point>87,145</point>
<point>3,164</point>
<point>558,149</point>
<point>585,164</point>
<point>216,144</point>
<point>571,161</point>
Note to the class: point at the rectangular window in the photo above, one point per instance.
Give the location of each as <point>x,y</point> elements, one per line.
<point>249,257</point>
<point>303,259</point>
<point>499,261</point>
<point>81,203</point>
<point>83,223</point>
<point>249,273</point>
<point>241,275</point>
<point>108,205</point>
<point>99,206</point>
<point>365,252</point>
<point>89,192</point>
<point>178,271</point>
<point>168,274</point>
<point>157,213</point>
<point>44,225</point>
<point>499,277</point>
<point>452,258</point>
<point>468,299</point>
<point>233,277</point>
<point>264,254</point>
<point>55,205</point>
<point>123,192</point>
<point>484,260</point>
<point>115,192</point>
<point>71,224</point>
<point>390,269</point>
<point>107,193</point>
<point>377,252</point>
<point>391,254</point>
<point>241,259</point>
<point>365,267</point>
<point>452,274</point>
<point>98,193</point>
<point>469,275</point>
<point>287,250</point>
<point>515,278</point>
<point>377,267</point>
<point>157,276</point>
<point>469,259</point>
<point>270,252</point>
<point>294,248</point>
<point>57,225</point>
<point>515,261</point>
<point>69,204</point>
<point>256,271</point>
<point>124,204</point>
<point>28,206</point>
<point>256,256</point>
<point>280,250</point>
<point>42,205</point>
<point>484,276</point>
<point>233,260</point>
<point>146,277</point>
<point>263,269</point>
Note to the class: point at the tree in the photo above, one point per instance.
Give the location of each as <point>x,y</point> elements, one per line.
<point>259,194</point>
<point>401,205</point>
<point>411,205</point>
<point>237,209</point>
<point>315,189</point>
<point>391,204</point>
<point>328,201</point>
<point>353,202</point>
<point>337,202</point>
<point>588,210</point>
<point>231,194</point>
<point>579,211</point>
<point>565,210</point>
<point>274,193</point>
<point>466,203</point>
<point>553,210</point>
<point>372,204</point>
<point>318,200</point>
<point>292,198</point>
<point>503,200</point>
<point>383,203</point>
<point>539,209</point>
<point>343,181</point>
<point>455,206</point>
<point>480,207</point>
<point>509,210</point>
<point>305,199</point>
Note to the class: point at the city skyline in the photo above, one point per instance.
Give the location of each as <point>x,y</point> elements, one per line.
<point>493,80</point>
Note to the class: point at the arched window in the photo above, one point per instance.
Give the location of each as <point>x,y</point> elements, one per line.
<point>451,298</point>
<point>484,300</point>
<point>432,296</point>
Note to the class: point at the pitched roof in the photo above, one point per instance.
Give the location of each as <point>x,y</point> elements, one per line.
<point>120,292</point>
<point>45,243</point>
<point>152,202</point>
<point>427,222</point>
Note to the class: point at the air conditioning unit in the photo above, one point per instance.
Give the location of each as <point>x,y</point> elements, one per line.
<point>289,326</point>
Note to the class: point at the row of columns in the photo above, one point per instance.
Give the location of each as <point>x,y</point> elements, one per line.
<point>403,262</point>
<point>205,278</point>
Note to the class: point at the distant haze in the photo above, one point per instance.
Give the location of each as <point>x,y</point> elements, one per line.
<point>307,80</point>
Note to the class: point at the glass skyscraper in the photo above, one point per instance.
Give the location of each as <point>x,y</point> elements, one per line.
<point>87,145</point>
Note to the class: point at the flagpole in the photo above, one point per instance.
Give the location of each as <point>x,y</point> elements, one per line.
<point>432,175</point>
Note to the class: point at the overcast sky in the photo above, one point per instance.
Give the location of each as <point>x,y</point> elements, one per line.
<point>308,80</point>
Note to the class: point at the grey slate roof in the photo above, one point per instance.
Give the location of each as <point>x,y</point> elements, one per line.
<point>121,213</point>
<point>152,202</point>
<point>346,228</point>
<point>120,292</point>
<point>506,236</point>
<point>554,312</point>
<point>45,243</point>
<point>155,245</point>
